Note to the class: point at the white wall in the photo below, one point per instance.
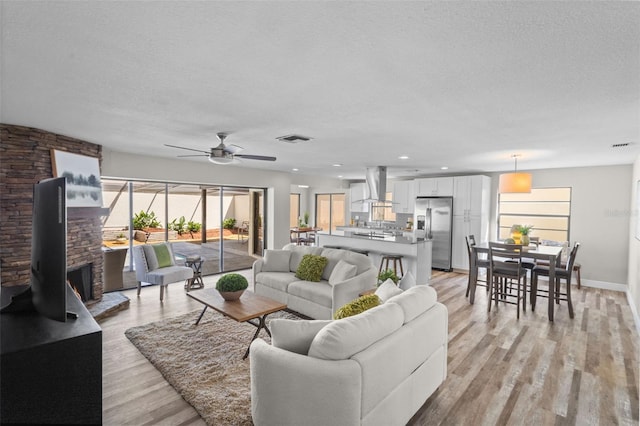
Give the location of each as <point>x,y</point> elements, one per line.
<point>599,218</point>
<point>128,166</point>
<point>634,245</point>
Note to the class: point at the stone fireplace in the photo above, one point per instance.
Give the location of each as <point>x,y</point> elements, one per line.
<point>81,280</point>
<point>26,159</point>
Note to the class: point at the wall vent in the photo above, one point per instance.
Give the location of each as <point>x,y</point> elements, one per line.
<point>621,145</point>
<point>293,138</point>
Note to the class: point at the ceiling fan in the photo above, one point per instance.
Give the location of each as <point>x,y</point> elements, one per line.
<point>223,154</point>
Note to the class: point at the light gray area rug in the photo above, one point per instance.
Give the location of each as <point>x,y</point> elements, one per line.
<point>204,362</point>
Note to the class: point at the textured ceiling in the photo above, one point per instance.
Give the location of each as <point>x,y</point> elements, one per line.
<point>457,84</point>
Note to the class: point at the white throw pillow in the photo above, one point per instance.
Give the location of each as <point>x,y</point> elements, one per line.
<point>343,338</point>
<point>387,290</point>
<point>342,272</point>
<point>295,335</point>
<point>407,281</point>
<point>276,261</point>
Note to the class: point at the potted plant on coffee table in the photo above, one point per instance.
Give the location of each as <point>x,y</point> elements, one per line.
<point>231,286</point>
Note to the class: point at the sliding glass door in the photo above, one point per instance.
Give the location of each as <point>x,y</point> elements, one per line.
<point>221,224</point>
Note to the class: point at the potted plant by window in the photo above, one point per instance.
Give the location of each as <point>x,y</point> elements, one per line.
<point>524,232</point>
<point>121,238</point>
<point>231,286</point>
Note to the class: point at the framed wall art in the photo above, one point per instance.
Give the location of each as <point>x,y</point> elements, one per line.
<point>84,188</point>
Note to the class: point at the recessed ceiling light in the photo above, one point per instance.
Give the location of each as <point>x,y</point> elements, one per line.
<point>340,176</point>
<point>403,157</point>
<point>294,169</point>
<point>337,165</point>
<point>303,186</point>
<point>444,168</point>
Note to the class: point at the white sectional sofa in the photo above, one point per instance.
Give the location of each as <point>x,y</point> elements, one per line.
<point>274,276</point>
<point>375,368</point>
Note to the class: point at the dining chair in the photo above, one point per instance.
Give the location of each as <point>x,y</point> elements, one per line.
<point>480,262</point>
<point>505,269</point>
<point>563,272</point>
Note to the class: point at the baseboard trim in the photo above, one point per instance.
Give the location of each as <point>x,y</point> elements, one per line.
<point>604,285</point>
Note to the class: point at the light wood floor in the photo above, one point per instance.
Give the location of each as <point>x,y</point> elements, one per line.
<point>500,370</point>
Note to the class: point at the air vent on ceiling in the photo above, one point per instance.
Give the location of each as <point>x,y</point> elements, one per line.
<point>293,138</point>
<point>621,145</point>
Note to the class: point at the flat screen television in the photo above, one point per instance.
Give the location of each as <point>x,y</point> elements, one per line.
<point>47,293</point>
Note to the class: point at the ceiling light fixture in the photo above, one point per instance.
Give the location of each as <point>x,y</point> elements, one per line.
<point>295,170</point>
<point>303,186</point>
<point>515,182</point>
<point>444,168</point>
<point>403,157</point>
<point>337,165</point>
<point>221,160</point>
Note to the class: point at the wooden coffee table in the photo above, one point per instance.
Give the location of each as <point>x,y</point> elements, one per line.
<point>249,307</point>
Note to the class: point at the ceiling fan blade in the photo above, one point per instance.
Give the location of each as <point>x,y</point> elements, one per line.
<point>232,149</point>
<point>194,155</point>
<point>256,157</point>
<point>190,149</point>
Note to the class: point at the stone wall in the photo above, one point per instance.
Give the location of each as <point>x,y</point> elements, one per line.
<point>25,158</point>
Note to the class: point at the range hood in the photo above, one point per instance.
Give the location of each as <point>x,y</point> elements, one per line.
<point>377,185</point>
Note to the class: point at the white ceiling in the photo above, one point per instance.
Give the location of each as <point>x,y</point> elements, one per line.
<point>457,84</point>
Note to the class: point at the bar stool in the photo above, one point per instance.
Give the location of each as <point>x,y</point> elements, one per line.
<point>396,258</point>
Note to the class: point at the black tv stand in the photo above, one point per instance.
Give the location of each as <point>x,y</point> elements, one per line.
<point>19,300</point>
<point>51,371</point>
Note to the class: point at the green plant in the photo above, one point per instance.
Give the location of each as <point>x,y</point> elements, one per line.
<point>386,274</point>
<point>525,229</point>
<point>232,282</point>
<point>194,226</point>
<point>145,220</point>
<point>178,225</point>
<point>121,235</point>
<point>306,218</point>
<point>229,223</point>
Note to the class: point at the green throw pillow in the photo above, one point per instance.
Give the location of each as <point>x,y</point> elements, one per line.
<point>359,305</point>
<point>163,255</point>
<point>311,267</point>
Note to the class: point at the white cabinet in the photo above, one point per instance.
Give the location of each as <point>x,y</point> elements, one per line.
<point>429,187</point>
<point>471,200</point>
<point>462,227</point>
<point>357,193</point>
<point>469,193</point>
<point>404,196</point>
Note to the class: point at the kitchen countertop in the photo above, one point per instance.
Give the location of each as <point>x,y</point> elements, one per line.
<point>362,234</point>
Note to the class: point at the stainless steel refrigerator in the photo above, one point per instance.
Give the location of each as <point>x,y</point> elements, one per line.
<point>433,220</point>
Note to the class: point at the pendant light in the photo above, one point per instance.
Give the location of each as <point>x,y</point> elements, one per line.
<point>515,182</point>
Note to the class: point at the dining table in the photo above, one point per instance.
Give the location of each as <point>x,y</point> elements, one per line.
<point>538,252</point>
<point>299,231</point>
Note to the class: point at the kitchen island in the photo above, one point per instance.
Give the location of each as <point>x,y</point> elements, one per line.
<point>416,252</point>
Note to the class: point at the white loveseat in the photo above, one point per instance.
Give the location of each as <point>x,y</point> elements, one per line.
<point>149,270</point>
<point>274,276</point>
<point>375,368</point>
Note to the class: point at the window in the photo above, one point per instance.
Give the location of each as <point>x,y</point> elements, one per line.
<point>547,209</point>
<point>294,210</point>
<point>330,211</point>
